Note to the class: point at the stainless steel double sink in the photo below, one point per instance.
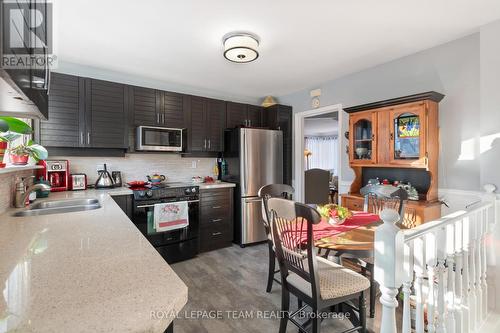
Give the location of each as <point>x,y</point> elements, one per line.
<point>59,206</point>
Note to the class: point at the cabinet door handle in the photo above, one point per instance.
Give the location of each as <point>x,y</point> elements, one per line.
<point>158,118</point>
<point>216,207</point>
<point>216,233</point>
<point>392,136</point>
<point>373,137</point>
<point>81,137</point>
<point>249,123</point>
<point>205,144</point>
<point>88,138</point>
<point>208,143</point>
<point>216,220</point>
<point>163,118</point>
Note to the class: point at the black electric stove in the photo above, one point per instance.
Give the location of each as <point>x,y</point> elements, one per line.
<point>175,245</point>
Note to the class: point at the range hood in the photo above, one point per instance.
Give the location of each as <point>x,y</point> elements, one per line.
<point>13,101</point>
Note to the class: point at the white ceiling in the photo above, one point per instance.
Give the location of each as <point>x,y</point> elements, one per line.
<point>303,43</point>
<point>320,126</point>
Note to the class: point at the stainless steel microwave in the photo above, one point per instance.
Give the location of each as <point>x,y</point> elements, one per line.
<point>149,138</point>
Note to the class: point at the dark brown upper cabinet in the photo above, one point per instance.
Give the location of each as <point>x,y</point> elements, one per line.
<point>66,104</point>
<point>239,114</point>
<point>254,115</point>
<point>85,113</point>
<point>106,115</point>
<point>172,109</point>
<point>145,106</point>
<point>279,117</point>
<point>152,107</point>
<point>206,124</point>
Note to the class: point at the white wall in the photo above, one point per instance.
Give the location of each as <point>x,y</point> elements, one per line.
<point>451,69</point>
<point>490,104</point>
<point>489,143</point>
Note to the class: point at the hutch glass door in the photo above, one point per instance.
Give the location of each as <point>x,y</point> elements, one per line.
<point>363,128</point>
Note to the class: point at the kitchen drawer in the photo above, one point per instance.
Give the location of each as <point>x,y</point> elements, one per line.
<point>211,220</point>
<point>216,194</point>
<point>353,203</point>
<point>215,236</point>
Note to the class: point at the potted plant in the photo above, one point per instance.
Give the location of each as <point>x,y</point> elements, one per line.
<point>20,154</point>
<point>335,214</point>
<point>10,129</point>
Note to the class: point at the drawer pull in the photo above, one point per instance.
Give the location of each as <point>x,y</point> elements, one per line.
<point>216,207</point>
<point>216,233</point>
<point>216,220</point>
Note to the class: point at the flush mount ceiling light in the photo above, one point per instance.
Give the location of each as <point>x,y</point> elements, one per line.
<point>240,47</point>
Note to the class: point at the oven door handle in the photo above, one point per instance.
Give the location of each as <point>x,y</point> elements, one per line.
<point>146,206</point>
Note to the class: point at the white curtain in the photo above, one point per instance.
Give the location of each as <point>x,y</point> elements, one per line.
<point>324,152</point>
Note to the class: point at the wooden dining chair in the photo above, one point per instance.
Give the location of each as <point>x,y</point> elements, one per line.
<point>315,281</point>
<point>316,186</point>
<point>266,192</point>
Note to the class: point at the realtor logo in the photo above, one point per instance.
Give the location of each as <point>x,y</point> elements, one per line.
<point>27,34</point>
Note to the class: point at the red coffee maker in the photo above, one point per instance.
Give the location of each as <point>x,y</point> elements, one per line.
<point>56,172</point>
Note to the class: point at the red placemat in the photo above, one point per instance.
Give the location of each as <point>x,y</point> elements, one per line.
<point>324,229</point>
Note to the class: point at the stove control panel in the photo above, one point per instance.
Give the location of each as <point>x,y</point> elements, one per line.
<point>167,192</point>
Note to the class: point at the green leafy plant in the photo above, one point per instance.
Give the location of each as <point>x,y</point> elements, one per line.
<point>36,151</point>
<point>334,211</point>
<point>12,128</point>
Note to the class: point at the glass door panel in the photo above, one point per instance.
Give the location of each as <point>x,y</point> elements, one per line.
<point>407,137</point>
<point>363,139</point>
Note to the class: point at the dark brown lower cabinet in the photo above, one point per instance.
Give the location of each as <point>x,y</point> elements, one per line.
<point>216,222</point>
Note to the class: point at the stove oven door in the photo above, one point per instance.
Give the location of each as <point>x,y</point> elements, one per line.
<point>143,219</point>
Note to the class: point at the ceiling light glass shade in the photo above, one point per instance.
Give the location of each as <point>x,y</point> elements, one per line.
<point>241,47</point>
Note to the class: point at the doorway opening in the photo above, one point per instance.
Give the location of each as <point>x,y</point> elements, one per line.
<point>317,145</point>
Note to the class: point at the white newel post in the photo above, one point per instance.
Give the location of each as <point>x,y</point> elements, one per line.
<point>419,263</point>
<point>458,276</point>
<point>408,279</point>
<point>491,216</point>
<point>465,275</point>
<point>430,257</point>
<point>389,273</point>
<point>450,268</point>
<point>441,317</point>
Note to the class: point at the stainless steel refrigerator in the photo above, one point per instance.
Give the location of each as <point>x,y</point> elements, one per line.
<point>255,159</point>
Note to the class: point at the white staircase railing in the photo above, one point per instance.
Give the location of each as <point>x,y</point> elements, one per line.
<point>438,270</point>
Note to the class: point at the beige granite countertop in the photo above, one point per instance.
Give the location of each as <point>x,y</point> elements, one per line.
<point>84,271</point>
<point>208,186</point>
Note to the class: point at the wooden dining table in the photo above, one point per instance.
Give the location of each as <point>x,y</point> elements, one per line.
<point>355,243</point>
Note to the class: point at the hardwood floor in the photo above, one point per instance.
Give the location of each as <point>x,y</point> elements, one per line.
<point>234,279</point>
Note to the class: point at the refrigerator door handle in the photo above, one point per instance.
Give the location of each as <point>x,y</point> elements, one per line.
<point>252,200</point>
<point>244,162</point>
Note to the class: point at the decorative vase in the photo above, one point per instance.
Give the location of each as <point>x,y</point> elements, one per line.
<point>19,159</point>
<point>3,148</point>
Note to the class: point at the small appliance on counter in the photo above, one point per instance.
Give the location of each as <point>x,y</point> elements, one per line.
<point>117,178</point>
<point>78,181</point>
<point>105,180</point>
<point>56,172</point>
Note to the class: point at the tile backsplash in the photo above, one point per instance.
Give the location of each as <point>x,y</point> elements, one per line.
<point>136,166</point>
<point>7,187</point>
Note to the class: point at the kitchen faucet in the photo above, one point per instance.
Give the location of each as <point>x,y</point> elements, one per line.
<point>22,192</point>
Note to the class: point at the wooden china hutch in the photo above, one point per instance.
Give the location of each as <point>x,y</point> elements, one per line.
<point>397,140</point>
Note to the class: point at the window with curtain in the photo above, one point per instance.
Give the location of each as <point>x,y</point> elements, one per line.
<point>323,152</point>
